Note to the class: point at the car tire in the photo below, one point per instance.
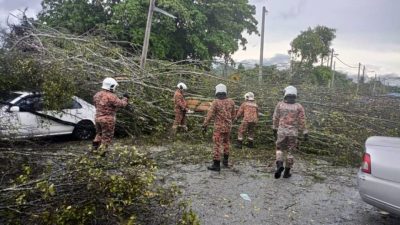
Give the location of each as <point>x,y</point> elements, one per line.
<point>84,130</point>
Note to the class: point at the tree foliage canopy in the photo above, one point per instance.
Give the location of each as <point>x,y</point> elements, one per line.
<point>312,44</point>
<point>77,16</point>
<point>203,29</point>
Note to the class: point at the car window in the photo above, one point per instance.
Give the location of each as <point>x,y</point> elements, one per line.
<point>30,103</point>
<point>8,97</point>
<point>72,105</point>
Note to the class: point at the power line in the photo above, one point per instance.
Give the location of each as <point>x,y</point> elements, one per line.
<point>354,67</point>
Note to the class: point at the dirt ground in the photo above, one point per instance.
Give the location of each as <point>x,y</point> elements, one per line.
<point>317,193</point>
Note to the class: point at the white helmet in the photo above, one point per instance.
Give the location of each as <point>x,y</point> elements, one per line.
<point>109,84</point>
<point>181,86</point>
<point>249,96</point>
<point>290,90</point>
<point>220,88</point>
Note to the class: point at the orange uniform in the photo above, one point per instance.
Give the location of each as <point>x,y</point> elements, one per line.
<point>249,111</point>
<point>223,112</point>
<point>106,104</point>
<point>288,120</point>
<point>180,109</point>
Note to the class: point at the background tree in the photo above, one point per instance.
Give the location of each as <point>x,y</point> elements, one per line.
<point>326,35</point>
<point>203,29</point>
<point>241,67</point>
<point>312,44</point>
<point>77,16</point>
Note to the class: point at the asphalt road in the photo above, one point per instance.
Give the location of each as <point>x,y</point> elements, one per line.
<point>315,194</point>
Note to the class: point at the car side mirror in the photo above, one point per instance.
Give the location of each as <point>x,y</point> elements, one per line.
<point>14,109</point>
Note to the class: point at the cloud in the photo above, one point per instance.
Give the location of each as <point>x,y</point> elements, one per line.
<point>278,59</point>
<point>8,5</point>
<point>15,7</point>
<point>281,60</point>
<point>259,1</point>
<point>294,11</point>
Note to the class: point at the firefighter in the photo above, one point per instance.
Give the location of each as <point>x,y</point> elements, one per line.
<point>180,108</point>
<point>288,123</point>
<point>106,103</point>
<point>249,111</point>
<point>222,110</point>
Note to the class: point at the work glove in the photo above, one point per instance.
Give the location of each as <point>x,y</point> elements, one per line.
<point>130,108</point>
<point>275,133</point>
<point>306,137</point>
<point>126,95</point>
<point>204,129</point>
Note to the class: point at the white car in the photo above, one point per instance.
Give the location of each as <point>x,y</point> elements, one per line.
<point>22,116</point>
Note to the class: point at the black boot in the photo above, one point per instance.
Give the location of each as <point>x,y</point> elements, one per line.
<point>225,161</point>
<point>95,145</point>
<point>250,144</point>
<point>287,174</point>
<point>279,169</point>
<point>239,144</point>
<point>215,166</point>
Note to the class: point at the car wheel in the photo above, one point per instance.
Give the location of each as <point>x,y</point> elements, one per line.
<point>84,130</point>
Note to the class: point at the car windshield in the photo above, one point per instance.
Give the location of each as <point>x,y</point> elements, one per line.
<point>8,97</point>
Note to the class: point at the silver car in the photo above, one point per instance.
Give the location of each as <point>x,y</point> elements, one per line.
<point>379,175</point>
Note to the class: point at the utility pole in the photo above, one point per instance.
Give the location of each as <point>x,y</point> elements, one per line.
<point>333,74</point>
<point>358,77</point>
<point>327,61</point>
<point>264,11</point>
<point>147,34</point>
<point>380,85</point>
<point>363,76</point>
<point>225,73</point>
<point>332,58</point>
<point>373,89</point>
<point>152,8</point>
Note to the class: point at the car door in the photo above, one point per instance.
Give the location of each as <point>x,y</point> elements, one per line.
<point>72,112</point>
<point>65,118</point>
<point>28,122</point>
<point>9,121</point>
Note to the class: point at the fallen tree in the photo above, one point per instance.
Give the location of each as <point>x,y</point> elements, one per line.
<point>85,189</point>
<point>62,64</point>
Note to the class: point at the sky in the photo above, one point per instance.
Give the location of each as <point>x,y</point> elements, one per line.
<point>12,7</point>
<point>368,31</point>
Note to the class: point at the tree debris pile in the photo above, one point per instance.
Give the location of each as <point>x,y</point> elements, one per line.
<point>118,189</point>
<point>338,119</point>
<point>61,64</point>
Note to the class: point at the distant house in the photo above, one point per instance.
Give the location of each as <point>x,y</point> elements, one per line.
<point>393,94</point>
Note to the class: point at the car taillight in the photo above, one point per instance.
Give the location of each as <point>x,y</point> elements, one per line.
<point>366,164</point>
